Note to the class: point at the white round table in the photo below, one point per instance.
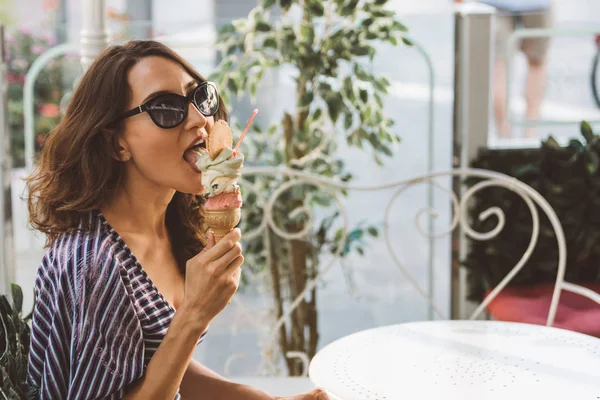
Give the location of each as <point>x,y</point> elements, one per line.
<point>460,360</point>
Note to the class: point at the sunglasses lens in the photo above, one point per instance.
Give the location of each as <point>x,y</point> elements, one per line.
<point>167,111</point>
<point>206,99</point>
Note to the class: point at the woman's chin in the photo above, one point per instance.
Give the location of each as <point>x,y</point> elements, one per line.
<point>192,185</point>
<point>196,190</point>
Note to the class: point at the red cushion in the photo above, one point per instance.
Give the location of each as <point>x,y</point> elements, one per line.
<point>530,304</point>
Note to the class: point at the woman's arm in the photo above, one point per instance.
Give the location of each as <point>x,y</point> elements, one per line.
<point>211,279</point>
<point>200,382</point>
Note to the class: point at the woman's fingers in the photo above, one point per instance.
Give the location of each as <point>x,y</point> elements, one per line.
<point>231,259</point>
<point>225,244</point>
<point>211,240</point>
<point>234,266</point>
<point>315,394</point>
<point>226,261</point>
<point>214,251</point>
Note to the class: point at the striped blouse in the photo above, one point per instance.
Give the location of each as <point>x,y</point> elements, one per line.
<point>98,318</point>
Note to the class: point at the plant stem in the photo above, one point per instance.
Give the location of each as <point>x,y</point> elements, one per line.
<point>311,320</point>
<point>276,282</point>
<point>299,250</point>
<point>297,259</point>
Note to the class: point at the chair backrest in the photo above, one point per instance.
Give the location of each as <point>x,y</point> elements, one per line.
<point>533,200</point>
<point>267,226</point>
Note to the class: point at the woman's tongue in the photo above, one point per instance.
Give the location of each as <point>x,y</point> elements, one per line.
<point>191,156</point>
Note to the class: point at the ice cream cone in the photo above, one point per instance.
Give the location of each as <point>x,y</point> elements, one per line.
<point>221,222</point>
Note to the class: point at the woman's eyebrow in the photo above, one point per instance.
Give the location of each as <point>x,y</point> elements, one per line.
<point>154,94</point>
<point>191,84</point>
<point>187,88</point>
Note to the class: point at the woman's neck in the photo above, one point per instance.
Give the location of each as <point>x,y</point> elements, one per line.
<point>139,207</point>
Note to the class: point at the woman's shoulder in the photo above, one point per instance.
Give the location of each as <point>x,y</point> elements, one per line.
<point>78,285</point>
<point>86,270</point>
<point>82,250</point>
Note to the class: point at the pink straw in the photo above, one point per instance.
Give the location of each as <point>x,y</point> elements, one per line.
<point>239,142</point>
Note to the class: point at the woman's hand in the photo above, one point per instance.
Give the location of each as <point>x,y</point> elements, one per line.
<point>212,278</point>
<point>316,394</point>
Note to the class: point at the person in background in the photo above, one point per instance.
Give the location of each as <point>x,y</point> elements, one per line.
<point>511,15</point>
<point>528,14</point>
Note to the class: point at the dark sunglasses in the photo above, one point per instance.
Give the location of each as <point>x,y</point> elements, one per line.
<point>170,110</point>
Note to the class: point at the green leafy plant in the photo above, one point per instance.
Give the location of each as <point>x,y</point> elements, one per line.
<point>23,48</point>
<point>328,47</point>
<point>569,179</point>
<point>14,346</point>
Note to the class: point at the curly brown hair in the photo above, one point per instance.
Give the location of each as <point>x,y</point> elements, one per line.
<point>77,174</point>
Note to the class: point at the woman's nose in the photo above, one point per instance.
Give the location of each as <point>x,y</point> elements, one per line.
<point>195,118</point>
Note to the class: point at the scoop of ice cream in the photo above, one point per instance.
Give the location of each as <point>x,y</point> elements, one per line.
<point>221,174</point>
<point>224,201</point>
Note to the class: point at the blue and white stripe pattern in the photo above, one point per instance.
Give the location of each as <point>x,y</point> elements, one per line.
<point>98,319</point>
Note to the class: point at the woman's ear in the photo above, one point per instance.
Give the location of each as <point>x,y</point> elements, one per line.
<point>115,142</point>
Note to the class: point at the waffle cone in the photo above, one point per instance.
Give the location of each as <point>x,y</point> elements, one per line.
<point>221,222</point>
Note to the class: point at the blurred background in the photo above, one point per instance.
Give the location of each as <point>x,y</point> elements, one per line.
<point>359,291</point>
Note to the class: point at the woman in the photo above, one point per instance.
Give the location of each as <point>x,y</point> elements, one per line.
<point>119,205</point>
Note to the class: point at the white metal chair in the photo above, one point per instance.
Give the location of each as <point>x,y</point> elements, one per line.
<point>531,197</point>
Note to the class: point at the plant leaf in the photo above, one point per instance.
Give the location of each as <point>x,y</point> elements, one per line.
<point>407,41</point>
<point>270,42</point>
<point>334,106</point>
<point>373,231</point>
<point>17,297</point>
<point>348,8</point>
<point>364,95</point>
<point>348,120</point>
<point>399,26</point>
<point>232,85</point>
<point>316,8</point>
<point>586,131</point>
<point>306,99</point>
<point>262,26</point>
<point>226,29</point>
<point>285,4</point>
<point>552,143</point>
<point>592,162</point>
